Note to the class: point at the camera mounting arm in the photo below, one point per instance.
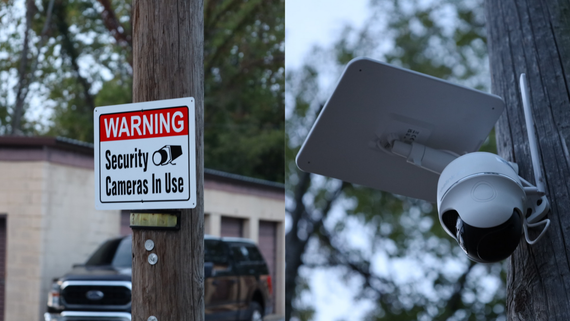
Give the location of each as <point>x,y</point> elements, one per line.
<point>433,160</point>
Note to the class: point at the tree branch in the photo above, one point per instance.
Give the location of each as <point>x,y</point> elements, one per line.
<point>122,36</point>
<point>295,245</point>
<point>246,18</point>
<point>22,82</point>
<point>253,64</point>
<point>69,48</point>
<point>211,23</point>
<point>24,90</point>
<point>339,257</point>
<point>454,302</point>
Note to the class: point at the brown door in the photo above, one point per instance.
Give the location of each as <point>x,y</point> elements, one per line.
<point>126,223</point>
<point>268,247</point>
<point>232,227</point>
<point>2,263</point>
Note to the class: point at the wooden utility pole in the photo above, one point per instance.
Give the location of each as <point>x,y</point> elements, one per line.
<point>533,37</point>
<point>168,39</point>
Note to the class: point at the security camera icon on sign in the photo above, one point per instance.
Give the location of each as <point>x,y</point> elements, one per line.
<point>166,155</point>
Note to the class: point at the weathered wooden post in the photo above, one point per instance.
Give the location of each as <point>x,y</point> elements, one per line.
<point>533,37</point>
<point>168,63</point>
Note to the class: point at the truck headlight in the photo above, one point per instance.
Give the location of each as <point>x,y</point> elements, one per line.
<point>54,302</point>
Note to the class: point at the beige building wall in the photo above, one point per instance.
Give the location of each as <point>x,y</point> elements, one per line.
<point>21,198</point>
<point>72,228</point>
<point>51,224</point>
<point>248,207</point>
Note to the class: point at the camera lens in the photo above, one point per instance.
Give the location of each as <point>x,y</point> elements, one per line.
<point>487,245</point>
<point>159,157</point>
<point>500,244</point>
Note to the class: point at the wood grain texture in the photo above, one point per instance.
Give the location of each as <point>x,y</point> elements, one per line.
<point>533,37</point>
<point>168,63</point>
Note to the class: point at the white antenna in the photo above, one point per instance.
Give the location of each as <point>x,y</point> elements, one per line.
<point>536,163</point>
<point>536,201</point>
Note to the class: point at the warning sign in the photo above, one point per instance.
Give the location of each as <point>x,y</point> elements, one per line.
<point>145,155</point>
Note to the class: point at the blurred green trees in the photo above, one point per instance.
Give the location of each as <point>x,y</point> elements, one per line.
<point>393,248</point>
<point>84,60</point>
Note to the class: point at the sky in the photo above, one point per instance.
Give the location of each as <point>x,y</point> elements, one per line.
<point>308,23</point>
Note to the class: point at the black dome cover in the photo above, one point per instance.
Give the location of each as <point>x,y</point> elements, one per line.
<point>488,245</point>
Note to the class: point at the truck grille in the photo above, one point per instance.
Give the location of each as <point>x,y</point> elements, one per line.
<point>96,295</point>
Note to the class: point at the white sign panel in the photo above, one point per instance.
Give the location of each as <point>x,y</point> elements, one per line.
<point>145,155</point>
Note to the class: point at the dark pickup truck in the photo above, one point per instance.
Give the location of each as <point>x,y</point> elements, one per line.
<point>237,284</point>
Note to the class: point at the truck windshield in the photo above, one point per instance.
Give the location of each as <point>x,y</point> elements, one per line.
<point>115,252</point>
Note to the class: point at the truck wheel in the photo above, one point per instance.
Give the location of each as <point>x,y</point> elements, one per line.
<point>256,311</point>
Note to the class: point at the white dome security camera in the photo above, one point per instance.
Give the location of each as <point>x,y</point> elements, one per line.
<point>414,135</point>
<point>481,202</point>
<point>485,205</point>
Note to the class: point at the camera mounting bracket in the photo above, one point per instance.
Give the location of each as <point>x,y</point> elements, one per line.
<point>537,203</point>
<point>537,207</point>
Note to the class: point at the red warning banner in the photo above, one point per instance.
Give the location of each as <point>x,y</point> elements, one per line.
<point>144,124</point>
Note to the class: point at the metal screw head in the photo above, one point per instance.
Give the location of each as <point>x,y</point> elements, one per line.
<point>152,318</point>
<point>152,259</point>
<point>149,245</point>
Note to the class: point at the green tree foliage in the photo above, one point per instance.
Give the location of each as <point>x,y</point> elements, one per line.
<point>391,246</point>
<point>84,51</point>
<point>86,62</point>
<point>244,87</point>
